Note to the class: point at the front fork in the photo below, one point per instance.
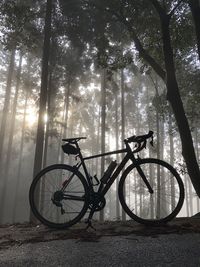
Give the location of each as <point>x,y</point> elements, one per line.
<point>140,171</point>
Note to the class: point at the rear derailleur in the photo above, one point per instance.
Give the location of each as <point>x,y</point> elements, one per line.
<point>56,199</point>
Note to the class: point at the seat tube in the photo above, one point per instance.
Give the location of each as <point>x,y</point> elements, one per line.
<point>84,166</point>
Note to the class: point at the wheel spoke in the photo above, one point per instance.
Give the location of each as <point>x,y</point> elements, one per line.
<point>168,193</point>
<point>52,206</point>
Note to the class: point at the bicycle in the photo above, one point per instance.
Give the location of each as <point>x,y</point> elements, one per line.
<point>150,190</point>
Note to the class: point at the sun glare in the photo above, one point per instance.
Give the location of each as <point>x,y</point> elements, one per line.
<point>45,118</point>
<point>31,117</point>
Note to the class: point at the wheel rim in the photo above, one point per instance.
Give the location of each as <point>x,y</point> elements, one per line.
<point>49,203</point>
<point>163,204</point>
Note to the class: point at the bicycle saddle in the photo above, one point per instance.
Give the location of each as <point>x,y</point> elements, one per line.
<point>73,139</point>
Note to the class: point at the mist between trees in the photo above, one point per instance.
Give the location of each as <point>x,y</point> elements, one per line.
<point>106,70</point>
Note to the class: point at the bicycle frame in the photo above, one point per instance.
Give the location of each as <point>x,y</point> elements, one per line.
<point>103,189</point>
<point>74,194</point>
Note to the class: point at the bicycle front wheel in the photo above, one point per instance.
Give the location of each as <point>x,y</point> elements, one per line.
<point>54,206</point>
<point>151,208</point>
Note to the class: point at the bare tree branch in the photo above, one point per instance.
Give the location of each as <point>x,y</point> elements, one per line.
<point>175,7</point>
<point>138,45</point>
<point>161,11</point>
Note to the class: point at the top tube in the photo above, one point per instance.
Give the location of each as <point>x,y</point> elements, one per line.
<point>107,153</point>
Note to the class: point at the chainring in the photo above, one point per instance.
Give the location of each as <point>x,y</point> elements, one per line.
<point>98,201</point>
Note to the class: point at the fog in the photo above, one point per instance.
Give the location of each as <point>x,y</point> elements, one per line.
<point>103,92</point>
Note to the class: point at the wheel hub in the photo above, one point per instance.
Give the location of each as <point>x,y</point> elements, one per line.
<point>58,196</point>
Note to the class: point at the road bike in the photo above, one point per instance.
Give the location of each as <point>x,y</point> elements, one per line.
<point>150,190</point>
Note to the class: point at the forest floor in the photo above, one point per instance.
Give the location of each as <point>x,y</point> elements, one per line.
<point>18,234</point>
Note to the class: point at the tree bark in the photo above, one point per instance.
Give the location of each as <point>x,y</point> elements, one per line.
<point>46,141</point>
<point>186,196</point>
<point>66,110</point>
<point>21,144</point>
<point>103,126</point>
<point>158,203</point>
<point>152,204</point>
<point>43,93</point>
<point>190,198</point>
<point>10,140</point>
<point>171,144</point>
<point>198,160</point>
<point>13,116</point>
<point>174,98</point>
<point>117,147</point>
<point>6,105</point>
<point>123,126</point>
<point>20,158</point>
<point>195,9</point>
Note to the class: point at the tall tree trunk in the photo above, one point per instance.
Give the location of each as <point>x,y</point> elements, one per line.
<point>150,155</point>
<point>43,94</point>
<point>158,204</point>
<point>98,141</point>
<point>186,196</point>
<point>174,98</point>
<point>20,158</point>
<point>190,198</point>
<point>13,118</point>
<point>165,205</point>
<point>138,199</point>
<point>123,126</point>
<point>66,110</point>
<point>117,147</point>
<point>46,141</point>
<point>103,127</point>
<point>6,105</point>
<point>43,91</point>
<point>173,94</point>
<point>10,140</point>
<point>198,159</point>
<point>195,9</point>
<point>171,144</point>
<point>21,145</point>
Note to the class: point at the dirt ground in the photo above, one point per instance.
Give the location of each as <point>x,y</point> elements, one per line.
<point>18,234</point>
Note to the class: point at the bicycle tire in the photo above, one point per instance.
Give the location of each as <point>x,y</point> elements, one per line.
<point>151,213</point>
<point>43,183</point>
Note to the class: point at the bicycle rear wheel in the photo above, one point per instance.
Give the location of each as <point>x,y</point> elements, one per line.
<point>151,208</point>
<point>53,206</point>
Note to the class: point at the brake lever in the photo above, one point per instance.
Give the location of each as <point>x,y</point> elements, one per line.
<point>151,142</point>
<point>76,157</point>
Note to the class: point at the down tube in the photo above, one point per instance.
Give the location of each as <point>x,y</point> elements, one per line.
<point>115,174</point>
